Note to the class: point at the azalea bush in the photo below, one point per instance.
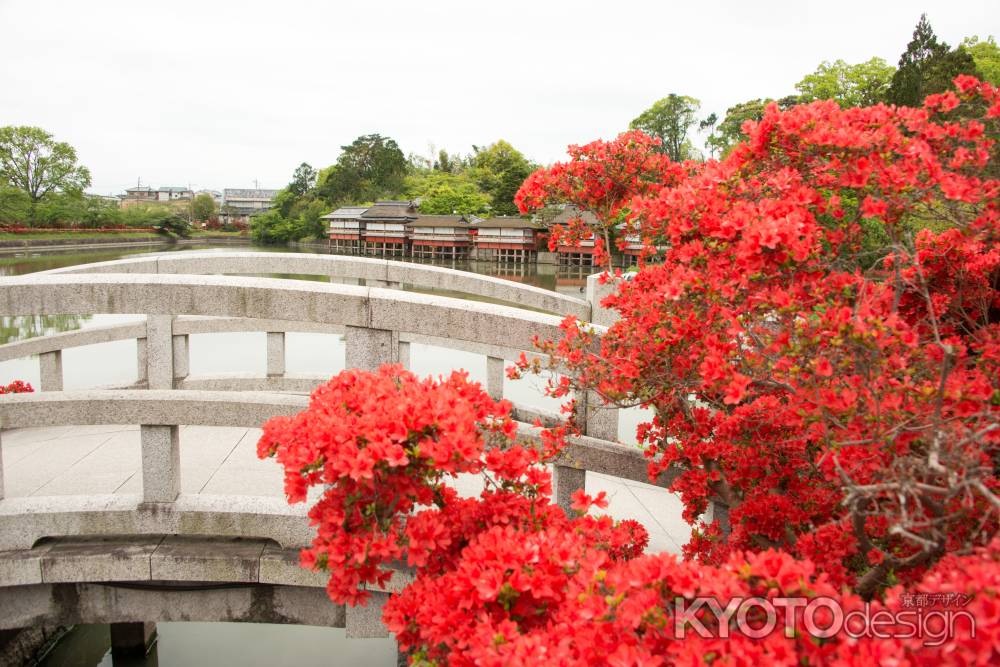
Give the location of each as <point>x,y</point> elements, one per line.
<point>818,342</point>
<point>16,387</point>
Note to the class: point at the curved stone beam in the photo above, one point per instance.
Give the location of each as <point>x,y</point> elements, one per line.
<point>268,298</point>
<point>164,407</point>
<point>339,266</point>
<point>24,521</point>
<point>74,603</point>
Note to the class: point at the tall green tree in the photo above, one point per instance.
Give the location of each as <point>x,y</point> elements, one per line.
<point>860,85</point>
<point>927,66</point>
<point>203,207</point>
<point>371,167</point>
<point>986,55</point>
<point>670,119</point>
<point>729,131</point>
<point>499,170</point>
<point>32,161</point>
<point>303,179</point>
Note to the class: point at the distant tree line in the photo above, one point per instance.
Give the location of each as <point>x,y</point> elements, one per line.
<point>42,185</point>
<point>374,167</point>
<point>928,65</point>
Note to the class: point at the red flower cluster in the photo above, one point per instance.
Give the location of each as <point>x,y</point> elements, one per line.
<point>16,387</point>
<point>814,363</point>
<point>382,446</point>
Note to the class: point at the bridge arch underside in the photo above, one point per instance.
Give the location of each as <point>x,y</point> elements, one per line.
<point>153,578</point>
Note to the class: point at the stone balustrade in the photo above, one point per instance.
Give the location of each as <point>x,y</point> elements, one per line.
<point>379,325</point>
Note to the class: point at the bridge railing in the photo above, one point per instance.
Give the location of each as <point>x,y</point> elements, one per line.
<point>378,326</point>
<point>373,272</point>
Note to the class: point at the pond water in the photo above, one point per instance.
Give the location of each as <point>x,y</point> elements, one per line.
<point>190,644</point>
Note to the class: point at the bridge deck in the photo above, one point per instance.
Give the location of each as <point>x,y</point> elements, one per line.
<point>221,461</point>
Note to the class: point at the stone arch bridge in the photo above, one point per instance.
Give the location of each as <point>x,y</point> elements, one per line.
<point>162,554</point>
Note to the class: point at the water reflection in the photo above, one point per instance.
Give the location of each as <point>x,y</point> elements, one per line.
<point>245,644</point>
<point>20,327</point>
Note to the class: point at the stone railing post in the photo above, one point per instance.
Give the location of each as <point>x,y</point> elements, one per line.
<point>161,463</point>
<point>141,360</point>
<point>275,354</point>
<point>565,481</point>
<point>602,420</point>
<point>159,351</point>
<point>719,514</point>
<point>181,357</point>
<point>1,465</point>
<point>50,371</point>
<point>368,349</point>
<point>365,621</point>
<point>494,377</point>
<point>595,294</point>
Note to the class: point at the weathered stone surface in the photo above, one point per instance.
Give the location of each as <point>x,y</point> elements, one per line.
<point>111,558</point>
<point>68,604</point>
<point>241,382</point>
<point>50,371</point>
<point>595,294</point>
<point>159,352</point>
<point>461,320</point>
<point>104,406</point>
<point>366,621</point>
<point>602,419</point>
<point>565,482</point>
<point>374,271</point>
<point>281,566</point>
<point>369,349</point>
<point>181,356</point>
<point>161,463</point>
<point>494,377</point>
<point>191,558</point>
<point>24,521</point>
<point>22,567</point>
<point>275,353</point>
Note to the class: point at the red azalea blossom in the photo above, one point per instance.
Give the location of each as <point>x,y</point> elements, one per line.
<point>815,327</point>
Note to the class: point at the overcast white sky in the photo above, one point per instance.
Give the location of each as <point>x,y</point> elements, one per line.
<point>218,94</point>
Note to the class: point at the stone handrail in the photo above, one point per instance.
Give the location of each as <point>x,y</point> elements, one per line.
<point>161,412</point>
<point>375,273</point>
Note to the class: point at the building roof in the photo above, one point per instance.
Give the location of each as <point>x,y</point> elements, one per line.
<point>172,189</point>
<point>349,212</point>
<point>144,188</point>
<point>570,212</point>
<point>391,210</point>
<point>249,193</point>
<point>439,221</point>
<point>508,222</point>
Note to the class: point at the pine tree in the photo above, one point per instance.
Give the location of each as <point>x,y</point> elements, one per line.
<point>927,66</point>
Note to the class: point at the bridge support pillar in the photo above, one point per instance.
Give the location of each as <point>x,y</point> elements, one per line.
<point>275,354</point>
<point>365,621</point>
<point>565,482</point>
<point>161,463</point>
<point>160,351</point>
<point>494,377</point>
<point>368,349</point>
<point>50,371</point>
<point>131,640</point>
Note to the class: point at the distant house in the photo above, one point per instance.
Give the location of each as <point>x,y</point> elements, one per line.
<point>508,238</point>
<point>239,205</point>
<point>143,194</point>
<point>440,236</point>
<point>384,228</point>
<point>581,253</point>
<point>170,193</point>
<point>345,228</point>
<point>214,194</point>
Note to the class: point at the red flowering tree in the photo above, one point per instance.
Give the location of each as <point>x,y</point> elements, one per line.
<point>16,387</point>
<point>842,404</point>
<point>821,349</point>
